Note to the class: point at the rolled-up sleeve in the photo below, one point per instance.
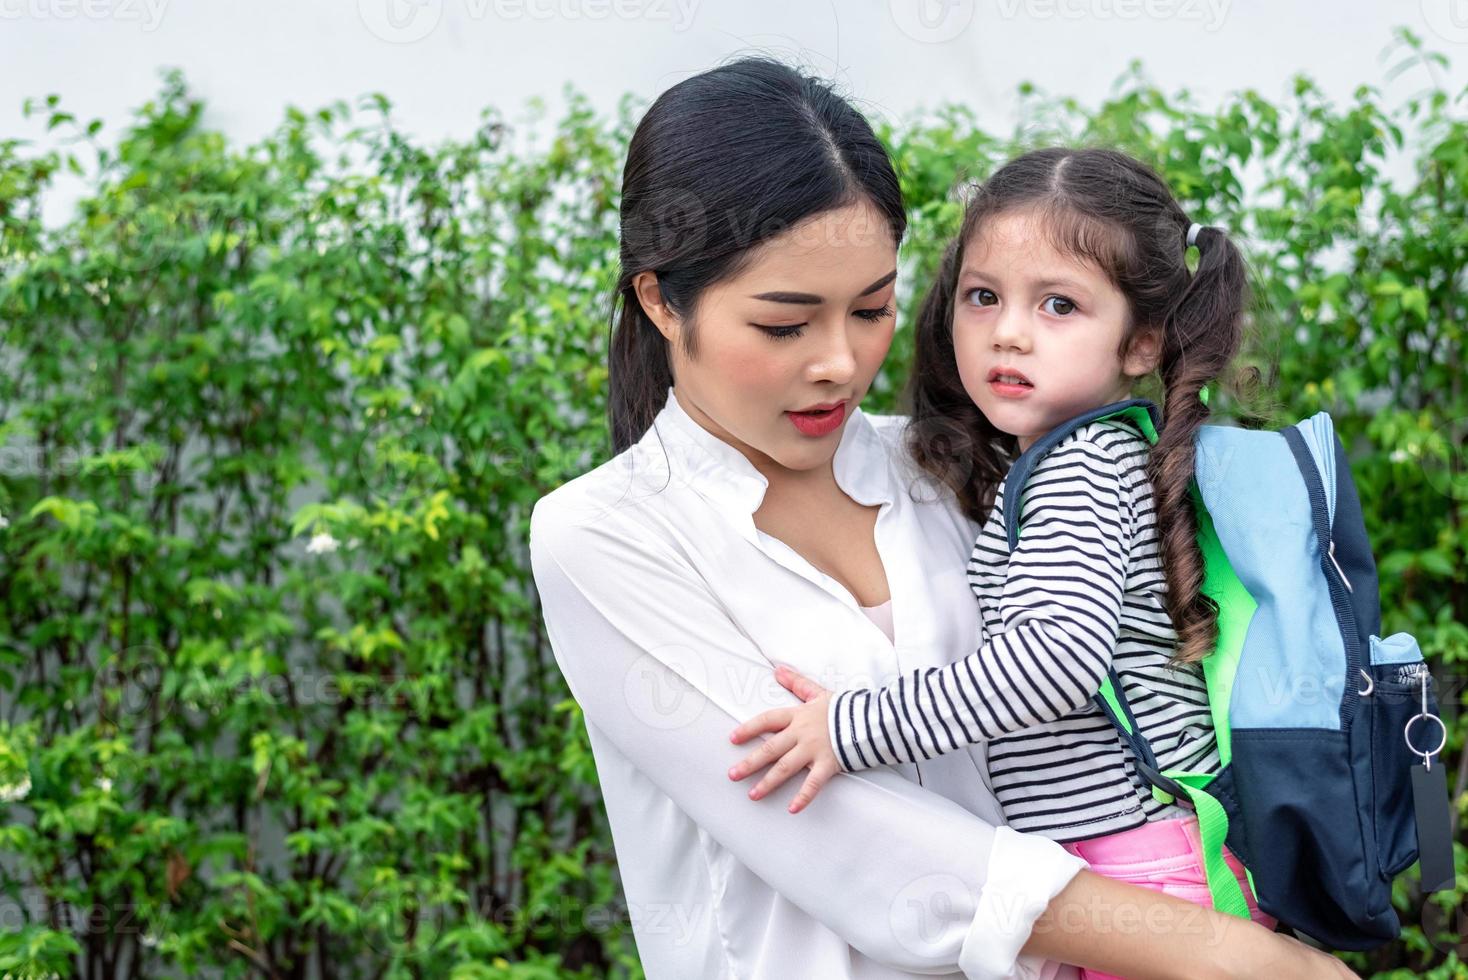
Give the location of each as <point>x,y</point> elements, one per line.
<point>906,876</point>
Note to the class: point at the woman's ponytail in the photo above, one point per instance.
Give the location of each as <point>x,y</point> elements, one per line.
<point>639,374</point>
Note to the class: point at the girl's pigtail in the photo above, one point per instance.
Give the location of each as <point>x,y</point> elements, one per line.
<point>1201,335</point>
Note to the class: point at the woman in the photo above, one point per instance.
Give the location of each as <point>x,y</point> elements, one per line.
<point>755,515</point>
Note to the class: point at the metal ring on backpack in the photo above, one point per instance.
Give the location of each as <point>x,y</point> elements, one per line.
<point>1407,734</point>
<point>1370,684</point>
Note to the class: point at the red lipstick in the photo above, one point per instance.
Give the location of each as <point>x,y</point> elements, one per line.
<point>819,420</point>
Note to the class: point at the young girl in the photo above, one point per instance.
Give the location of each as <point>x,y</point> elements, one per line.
<point>1067,284</point>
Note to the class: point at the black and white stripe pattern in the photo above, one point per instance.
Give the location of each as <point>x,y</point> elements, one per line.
<point>1082,591</point>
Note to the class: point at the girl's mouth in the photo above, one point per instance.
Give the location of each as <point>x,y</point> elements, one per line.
<point>1008,383</point>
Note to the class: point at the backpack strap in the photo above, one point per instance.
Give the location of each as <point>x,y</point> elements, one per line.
<point>1173,784</point>
<point>1141,412</point>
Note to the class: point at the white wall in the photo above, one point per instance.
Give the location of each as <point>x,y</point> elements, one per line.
<point>440,61</point>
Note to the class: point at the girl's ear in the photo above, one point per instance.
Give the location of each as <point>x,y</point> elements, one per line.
<point>1143,353</point>
<point>645,285</point>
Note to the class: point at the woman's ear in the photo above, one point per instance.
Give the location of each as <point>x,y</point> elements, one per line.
<point>650,296</point>
<point>1143,353</point>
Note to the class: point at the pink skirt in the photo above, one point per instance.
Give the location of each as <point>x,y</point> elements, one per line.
<point>1166,856</point>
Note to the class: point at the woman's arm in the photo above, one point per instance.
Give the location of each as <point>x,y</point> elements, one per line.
<point>908,877</point>
<point>1131,931</point>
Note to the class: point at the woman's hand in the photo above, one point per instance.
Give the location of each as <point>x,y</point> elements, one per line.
<point>1290,958</point>
<point>799,740</point>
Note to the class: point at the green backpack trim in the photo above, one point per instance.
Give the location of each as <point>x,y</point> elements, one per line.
<point>1235,611</point>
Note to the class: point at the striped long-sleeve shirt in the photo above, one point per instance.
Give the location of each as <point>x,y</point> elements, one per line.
<point>1082,592</point>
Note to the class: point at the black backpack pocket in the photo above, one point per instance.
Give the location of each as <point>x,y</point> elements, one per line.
<point>1395,698</point>
<point>1306,798</point>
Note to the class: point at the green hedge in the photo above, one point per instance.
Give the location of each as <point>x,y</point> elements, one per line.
<point>275,698</point>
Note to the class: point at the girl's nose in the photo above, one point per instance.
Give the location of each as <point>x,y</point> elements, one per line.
<point>1011,331</point>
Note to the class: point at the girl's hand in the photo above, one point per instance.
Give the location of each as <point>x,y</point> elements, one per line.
<point>800,740</point>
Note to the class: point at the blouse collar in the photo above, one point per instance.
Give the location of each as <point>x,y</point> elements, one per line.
<point>724,474</point>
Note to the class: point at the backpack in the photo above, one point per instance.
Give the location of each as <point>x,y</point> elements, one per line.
<point>1319,720</point>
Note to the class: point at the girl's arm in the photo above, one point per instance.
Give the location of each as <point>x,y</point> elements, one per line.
<point>1061,614</point>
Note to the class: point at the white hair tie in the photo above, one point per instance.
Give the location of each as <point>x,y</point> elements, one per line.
<point>1193,230</point>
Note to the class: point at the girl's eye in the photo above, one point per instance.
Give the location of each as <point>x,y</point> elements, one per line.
<point>872,316</point>
<point>1058,305</point>
<point>982,297</point>
<point>781,333</point>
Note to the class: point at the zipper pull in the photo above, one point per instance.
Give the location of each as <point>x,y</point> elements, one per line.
<point>1407,673</point>
<point>1331,555</point>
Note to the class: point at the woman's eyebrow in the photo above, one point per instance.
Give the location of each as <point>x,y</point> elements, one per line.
<point>811,299</point>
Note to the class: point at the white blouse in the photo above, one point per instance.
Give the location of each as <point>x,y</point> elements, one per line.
<point>666,610</point>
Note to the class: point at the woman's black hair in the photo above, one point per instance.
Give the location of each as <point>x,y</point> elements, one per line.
<point>721,162</point>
